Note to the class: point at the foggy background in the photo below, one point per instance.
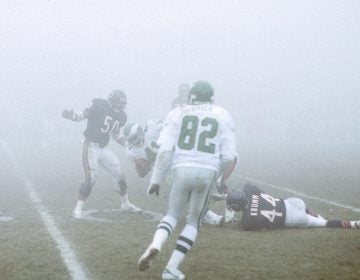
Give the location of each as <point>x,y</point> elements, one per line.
<point>288,71</point>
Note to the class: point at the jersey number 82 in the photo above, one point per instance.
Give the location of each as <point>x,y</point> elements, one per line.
<point>190,135</point>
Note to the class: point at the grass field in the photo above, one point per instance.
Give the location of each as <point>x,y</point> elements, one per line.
<point>110,249</point>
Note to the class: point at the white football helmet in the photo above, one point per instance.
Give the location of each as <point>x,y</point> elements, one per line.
<point>134,134</point>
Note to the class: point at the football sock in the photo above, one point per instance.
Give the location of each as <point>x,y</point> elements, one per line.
<point>79,205</point>
<point>164,229</point>
<point>341,224</point>
<point>183,245</point>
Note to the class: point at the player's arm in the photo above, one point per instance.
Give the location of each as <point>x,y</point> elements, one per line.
<point>75,116</point>
<point>119,137</point>
<point>163,161</point>
<point>228,170</point>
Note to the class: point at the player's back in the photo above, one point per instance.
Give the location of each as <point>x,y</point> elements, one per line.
<point>199,133</point>
<point>263,211</point>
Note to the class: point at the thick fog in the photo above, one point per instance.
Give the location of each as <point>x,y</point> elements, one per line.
<point>288,71</point>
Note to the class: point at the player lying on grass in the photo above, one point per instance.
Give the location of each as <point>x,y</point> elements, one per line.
<point>141,149</point>
<point>263,211</point>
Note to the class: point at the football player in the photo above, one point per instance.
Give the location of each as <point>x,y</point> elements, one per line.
<point>141,149</point>
<point>198,142</point>
<point>104,120</point>
<point>263,211</point>
<point>183,96</point>
<point>141,146</point>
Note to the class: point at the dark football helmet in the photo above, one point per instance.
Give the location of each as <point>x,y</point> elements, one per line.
<point>236,200</point>
<point>201,92</point>
<point>134,134</point>
<point>117,99</point>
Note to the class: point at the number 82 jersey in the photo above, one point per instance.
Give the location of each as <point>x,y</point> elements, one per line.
<point>200,135</point>
<point>262,211</point>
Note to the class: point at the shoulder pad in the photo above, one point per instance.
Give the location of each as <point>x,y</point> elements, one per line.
<point>250,189</point>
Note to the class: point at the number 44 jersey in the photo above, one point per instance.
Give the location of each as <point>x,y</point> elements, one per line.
<point>200,135</point>
<point>262,211</point>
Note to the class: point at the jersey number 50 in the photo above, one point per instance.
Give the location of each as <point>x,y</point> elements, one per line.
<point>189,133</point>
<point>108,126</point>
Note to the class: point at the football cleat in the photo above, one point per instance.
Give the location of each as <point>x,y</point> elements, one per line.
<point>76,214</point>
<point>172,274</point>
<point>128,207</point>
<point>144,261</point>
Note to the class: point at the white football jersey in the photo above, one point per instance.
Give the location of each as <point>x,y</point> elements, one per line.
<point>200,136</point>
<point>151,135</point>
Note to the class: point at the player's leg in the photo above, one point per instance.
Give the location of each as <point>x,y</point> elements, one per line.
<point>345,224</point>
<point>297,216</point>
<point>110,162</point>
<point>90,165</point>
<point>178,197</point>
<point>201,182</point>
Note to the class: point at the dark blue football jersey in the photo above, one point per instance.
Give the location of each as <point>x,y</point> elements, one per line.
<point>103,120</point>
<point>262,211</point>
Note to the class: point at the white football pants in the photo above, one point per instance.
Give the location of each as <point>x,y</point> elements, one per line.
<point>296,215</point>
<point>93,155</point>
<point>191,185</point>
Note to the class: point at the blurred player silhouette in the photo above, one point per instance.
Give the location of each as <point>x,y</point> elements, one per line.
<point>104,120</point>
<point>183,96</point>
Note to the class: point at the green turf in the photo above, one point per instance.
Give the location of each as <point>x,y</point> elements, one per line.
<point>110,250</point>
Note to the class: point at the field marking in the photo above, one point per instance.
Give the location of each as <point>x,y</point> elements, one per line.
<point>67,254</point>
<point>333,203</point>
<point>5,218</point>
<point>88,215</point>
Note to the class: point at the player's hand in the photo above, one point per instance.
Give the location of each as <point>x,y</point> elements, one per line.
<point>122,141</point>
<point>68,114</point>
<point>222,188</point>
<point>218,197</point>
<point>153,188</point>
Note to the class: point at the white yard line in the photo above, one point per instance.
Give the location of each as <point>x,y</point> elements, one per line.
<point>333,203</point>
<point>67,254</point>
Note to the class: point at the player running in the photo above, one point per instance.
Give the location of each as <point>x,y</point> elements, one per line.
<point>198,142</point>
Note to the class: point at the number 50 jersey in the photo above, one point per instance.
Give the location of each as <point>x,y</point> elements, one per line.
<point>262,211</point>
<point>200,135</point>
<point>102,121</point>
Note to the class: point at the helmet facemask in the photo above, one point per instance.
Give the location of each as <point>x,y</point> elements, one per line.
<point>117,100</point>
<point>134,134</point>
